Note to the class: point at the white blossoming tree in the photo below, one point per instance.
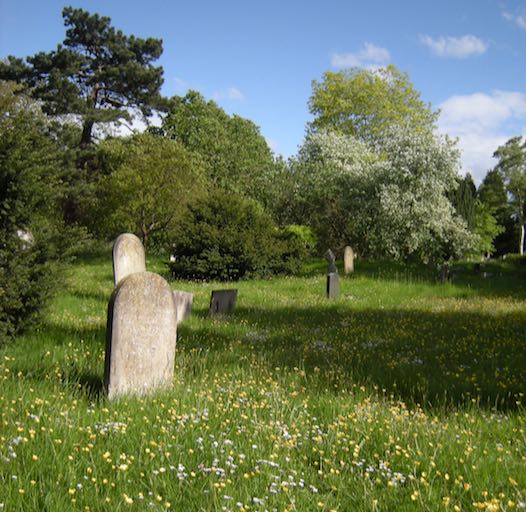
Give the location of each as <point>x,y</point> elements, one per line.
<point>389,203</point>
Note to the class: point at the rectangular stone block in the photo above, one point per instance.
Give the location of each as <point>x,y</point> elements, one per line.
<point>183,304</point>
<point>333,286</point>
<point>222,302</point>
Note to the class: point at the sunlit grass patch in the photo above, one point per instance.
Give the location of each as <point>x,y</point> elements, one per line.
<point>404,394</point>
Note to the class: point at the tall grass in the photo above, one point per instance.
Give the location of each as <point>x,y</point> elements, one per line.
<point>404,394</point>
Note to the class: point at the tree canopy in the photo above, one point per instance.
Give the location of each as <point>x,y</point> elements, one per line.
<point>365,103</point>
<point>390,204</point>
<point>151,180</point>
<point>235,153</point>
<point>512,167</point>
<point>98,73</point>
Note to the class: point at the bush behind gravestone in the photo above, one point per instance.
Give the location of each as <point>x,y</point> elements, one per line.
<point>33,237</point>
<point>226,237</point>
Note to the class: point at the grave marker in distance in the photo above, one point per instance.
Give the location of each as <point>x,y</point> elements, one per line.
<point>183,304</point>
<point>348,260</point>
<point>128,257</point>
<point>222,302</point>
<point>333,279</point>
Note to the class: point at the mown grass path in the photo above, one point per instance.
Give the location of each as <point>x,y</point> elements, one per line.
<point>402,395</point>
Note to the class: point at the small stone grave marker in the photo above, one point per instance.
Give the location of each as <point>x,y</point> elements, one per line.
<point>333,279</point>
<point>128,257</point>
<point>222,302</point>
<point>141,335</point>
<point>333,286</point>
<point>348,260</point>
<point>183,304</point>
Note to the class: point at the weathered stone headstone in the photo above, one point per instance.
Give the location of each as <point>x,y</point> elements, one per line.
<point>222,302</point>
<point>128,257</point>
<point>333,279</point>
<point>183,304</point>
<point>141,335</point>
<point>348,260</point>
<point>333,285</point>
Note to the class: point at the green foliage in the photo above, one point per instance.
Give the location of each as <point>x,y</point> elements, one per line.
<point>492,192</point>
<point>463,198</point>
<point>388,204</point>
<point>486,227</point>
<point>225,237</point>
<point>402,378</point>
<point>97,73</point>
<point>512,167</point>
<point>149,183</point>
<point>306,235</point>
<point>236,155</point>
<point>32,236</point>
<point>366,104</point>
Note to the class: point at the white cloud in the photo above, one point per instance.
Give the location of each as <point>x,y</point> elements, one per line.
<point>369,56</point>
<point>518,19</point>
<point>456,47</point>
<point>232,94</point>
<point>482,122</point>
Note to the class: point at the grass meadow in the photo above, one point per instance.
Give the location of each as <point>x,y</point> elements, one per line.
<point>404,394</point>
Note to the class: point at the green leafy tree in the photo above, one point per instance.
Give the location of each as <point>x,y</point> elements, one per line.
<point>33,238</point>
<point>151,181</point>
<point>365,103</point>
<point>98,73</point>
<point>486,227</point>
<point>512,167</point>
<point>492,193</point>
<point>236,155</point>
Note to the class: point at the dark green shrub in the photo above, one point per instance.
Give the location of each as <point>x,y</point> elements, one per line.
<point>226,237</point>
<point>32,238</point>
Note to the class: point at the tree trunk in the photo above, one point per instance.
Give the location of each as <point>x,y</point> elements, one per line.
<point>521,246</point>
<point>87,128</point>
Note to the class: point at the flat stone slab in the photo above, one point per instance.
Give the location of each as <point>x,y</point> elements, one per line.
<point>141,336</point>
<point>128,257</point>
<point>222,302</point>
<point>183,304</point>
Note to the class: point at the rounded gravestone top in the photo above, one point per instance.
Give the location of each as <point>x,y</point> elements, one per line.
<point>128,257</point>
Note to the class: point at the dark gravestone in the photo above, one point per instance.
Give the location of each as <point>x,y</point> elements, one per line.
<point>333,285</point>
<point>222,302</point>
<point>333,279</point>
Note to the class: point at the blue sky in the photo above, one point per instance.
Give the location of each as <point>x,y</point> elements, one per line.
<point>258,59</point>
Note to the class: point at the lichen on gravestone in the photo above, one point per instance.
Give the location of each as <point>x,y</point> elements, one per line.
<point>141,335</point>
<point>128,257</point>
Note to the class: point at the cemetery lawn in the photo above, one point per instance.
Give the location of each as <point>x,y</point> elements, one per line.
<point>404,394</point>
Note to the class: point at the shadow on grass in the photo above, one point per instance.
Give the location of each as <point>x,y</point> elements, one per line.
<point>91,385</point>
<point>427,358</point>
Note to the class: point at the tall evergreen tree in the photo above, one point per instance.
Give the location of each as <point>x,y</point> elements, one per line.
<point>97,74</point>
<point>492,193</point>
